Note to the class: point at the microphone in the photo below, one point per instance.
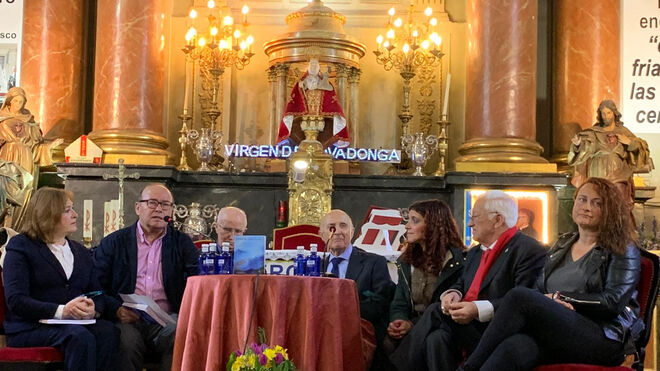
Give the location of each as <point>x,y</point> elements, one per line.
<point>168,219</point>
<point>333,229</point>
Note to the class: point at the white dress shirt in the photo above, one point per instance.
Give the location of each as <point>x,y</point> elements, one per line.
<point>63,255</point>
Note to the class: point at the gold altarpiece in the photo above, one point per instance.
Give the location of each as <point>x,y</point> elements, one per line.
<point>313,31</point>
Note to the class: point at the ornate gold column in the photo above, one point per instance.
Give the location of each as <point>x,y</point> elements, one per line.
<point>342,79</point>
<point>129,82</point>
<point>51,66</point>
<point>353,106</point>
<point>586,62</point>
<point>273,119</point>
<point>282,71</point>
<point>501,85</point>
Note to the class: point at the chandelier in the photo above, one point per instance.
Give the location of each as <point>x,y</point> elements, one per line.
<point>408,47</point>
<point>224,44</point>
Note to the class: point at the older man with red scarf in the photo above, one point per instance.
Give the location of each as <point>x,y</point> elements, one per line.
<point>505,258</point>
<point>313,95</point>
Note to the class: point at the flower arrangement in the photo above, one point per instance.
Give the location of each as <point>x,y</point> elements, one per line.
<point>260,357</point>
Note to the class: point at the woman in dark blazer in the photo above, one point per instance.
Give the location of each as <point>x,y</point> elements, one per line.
<point>584,309</point>
<point>46,276</point>
<point>431,262</point>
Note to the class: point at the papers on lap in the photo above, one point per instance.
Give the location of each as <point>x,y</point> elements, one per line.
<point>148,308</point>
<point>68,321</point>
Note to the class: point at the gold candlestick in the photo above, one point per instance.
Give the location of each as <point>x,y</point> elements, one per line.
<point>183,142</point>
<point>443,145</point>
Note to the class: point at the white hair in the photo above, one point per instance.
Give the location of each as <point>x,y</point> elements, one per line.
<point>501,203</point>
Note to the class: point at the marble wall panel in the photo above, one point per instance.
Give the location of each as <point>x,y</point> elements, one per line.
<point>501,69</point>
<point>129,72</point>
<point>586,64</point>
<point>51,65</point>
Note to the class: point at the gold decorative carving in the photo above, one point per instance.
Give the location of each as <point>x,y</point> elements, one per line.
<point>315,25</point>
<point>310,198</point>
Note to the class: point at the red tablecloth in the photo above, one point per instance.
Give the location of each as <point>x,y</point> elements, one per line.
<point>316,319</point>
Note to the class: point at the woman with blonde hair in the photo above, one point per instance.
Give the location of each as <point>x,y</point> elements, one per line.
<point>48,276</point>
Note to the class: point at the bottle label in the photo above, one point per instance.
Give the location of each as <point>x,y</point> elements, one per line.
<point>310,263</point>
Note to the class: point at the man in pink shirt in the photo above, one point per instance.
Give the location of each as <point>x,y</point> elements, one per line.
<point>152,259</point>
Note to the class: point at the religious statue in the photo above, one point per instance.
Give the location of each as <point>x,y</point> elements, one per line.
<point>314,96</point>
<point>21,141</point>
<point>15,186</point>
<point>609,150</point>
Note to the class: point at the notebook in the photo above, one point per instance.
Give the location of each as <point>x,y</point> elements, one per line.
<point>249,254</point>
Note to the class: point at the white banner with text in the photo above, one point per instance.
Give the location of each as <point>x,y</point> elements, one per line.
<point>11,28</point>
<point>640,65</point>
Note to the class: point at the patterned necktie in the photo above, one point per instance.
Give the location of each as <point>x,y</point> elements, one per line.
<point>334,265</point>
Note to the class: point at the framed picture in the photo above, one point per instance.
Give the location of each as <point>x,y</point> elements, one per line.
<point>533,213</point>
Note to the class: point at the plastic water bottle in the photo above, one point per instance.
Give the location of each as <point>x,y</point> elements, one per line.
<point>300,262</point>
<point>313,262</point>
<point>227,259</point>
<point>201,269</point>
<point>211,261</point>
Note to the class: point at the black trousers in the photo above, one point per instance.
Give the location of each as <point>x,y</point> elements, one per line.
<point>436,342</point>
<point>85,348</point>
<point>530,329</point>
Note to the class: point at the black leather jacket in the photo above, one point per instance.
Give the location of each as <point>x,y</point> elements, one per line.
<point>610,298</point>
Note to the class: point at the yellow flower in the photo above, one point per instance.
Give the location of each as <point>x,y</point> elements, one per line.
<point>240,362</point>
<point>282,351</point>
<point>270,353</point>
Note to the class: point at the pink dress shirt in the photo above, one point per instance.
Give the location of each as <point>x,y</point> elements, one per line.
<point>149,280</point>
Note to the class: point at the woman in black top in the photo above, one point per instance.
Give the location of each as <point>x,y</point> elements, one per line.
<point>431,262</point>
<point>584,309</point>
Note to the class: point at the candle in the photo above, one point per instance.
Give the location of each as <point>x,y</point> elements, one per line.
<point>245,11</point>
<point>445,102</point>
<point>186,90</point>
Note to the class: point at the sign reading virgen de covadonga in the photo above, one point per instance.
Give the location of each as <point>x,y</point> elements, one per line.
<point>640,65</point>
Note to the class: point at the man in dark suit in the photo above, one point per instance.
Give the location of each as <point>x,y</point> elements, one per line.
<point>505,258</point>
<point>152,259</point>
<point>369,271</point>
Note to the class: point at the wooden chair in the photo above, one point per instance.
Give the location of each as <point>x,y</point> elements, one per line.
<point>25,359</point>
<point>647,293</point>
<point>289,238</point>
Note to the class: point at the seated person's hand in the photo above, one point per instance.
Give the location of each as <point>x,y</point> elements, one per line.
<point>463,312</point>
<point>79,308</point>
<point>126,315</point>
<point>559,301</point>
<point>448,299</point>
<point>399,328</point>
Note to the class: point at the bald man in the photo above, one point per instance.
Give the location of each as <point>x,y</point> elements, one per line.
<point>369,271</point>
<point>231,222</point>
<point>148,258</point>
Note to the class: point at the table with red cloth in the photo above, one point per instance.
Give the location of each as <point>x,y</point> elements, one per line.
<point>317,319</point>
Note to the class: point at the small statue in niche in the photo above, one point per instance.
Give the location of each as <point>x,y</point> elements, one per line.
<point>609,150</point>
<point>314,95</point>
